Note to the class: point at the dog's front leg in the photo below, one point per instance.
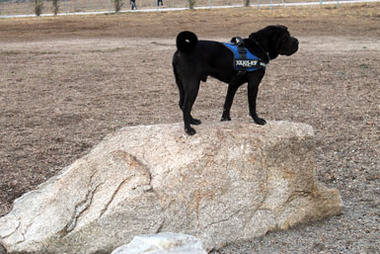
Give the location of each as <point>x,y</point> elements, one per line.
<point>232,88</point>
<point>254,80</point>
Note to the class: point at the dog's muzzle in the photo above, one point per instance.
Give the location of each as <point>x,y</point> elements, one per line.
<point>293,47</point>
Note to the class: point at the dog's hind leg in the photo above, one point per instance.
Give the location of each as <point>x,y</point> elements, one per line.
<point>181,103</point>
<point>180,88</point>
<point>191,88</point>
<point>181,94</point>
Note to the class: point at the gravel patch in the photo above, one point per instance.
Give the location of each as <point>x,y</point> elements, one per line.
<point>56,102</point>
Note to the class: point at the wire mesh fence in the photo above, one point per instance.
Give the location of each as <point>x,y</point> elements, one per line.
<point>28,7</point>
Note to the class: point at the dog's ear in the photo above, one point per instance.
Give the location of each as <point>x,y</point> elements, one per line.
<point>283,27</point>
<point>256,37</point>
<point>269,38</point>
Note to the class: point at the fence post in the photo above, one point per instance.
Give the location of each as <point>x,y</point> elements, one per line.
<point>210,3</point>
<point>109,7</point>
<point>30,6</point>
<point>67,7</point>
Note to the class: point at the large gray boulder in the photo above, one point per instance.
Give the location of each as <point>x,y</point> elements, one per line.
<point>230,182</point>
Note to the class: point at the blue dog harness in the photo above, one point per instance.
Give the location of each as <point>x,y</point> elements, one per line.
<point>244,60</point>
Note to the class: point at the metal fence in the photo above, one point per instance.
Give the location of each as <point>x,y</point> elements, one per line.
<point>9,8</point>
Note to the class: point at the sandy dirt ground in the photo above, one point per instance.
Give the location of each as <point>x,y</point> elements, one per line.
<point>67,82</point>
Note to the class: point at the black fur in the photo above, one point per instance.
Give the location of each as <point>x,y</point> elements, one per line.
<point>195,60</point>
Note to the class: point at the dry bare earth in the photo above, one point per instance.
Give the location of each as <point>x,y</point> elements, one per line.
<point>67,82</point>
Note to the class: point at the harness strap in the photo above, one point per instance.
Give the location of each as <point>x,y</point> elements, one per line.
<point>244,60</point>
<point>241,49</point>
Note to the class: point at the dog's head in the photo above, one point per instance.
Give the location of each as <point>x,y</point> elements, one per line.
<point>276,40</point>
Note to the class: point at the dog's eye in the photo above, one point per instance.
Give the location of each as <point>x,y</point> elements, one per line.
<point>187,40</point>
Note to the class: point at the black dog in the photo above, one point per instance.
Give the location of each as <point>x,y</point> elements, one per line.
<point>196,60</point>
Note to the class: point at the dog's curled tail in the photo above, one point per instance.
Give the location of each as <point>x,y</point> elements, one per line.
<point>186,41</point>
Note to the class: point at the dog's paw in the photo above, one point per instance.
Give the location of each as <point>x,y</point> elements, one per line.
<point>195,121</point>
<point>225,117</point>
<point>259,121</point>
<point>190,131</point>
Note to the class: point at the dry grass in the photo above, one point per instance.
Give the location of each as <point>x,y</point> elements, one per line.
<point>346,20</point>
<point>26,7</point>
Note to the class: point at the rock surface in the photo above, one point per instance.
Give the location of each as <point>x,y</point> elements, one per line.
<point>162,243</point>
<point>230,182</point>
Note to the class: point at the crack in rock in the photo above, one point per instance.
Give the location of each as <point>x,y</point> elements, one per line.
<point>80,208</point>
<point>161,226</point>
<point>113,196</point>
<point>297,194</point>
<point>223,220</point>
<point>3,250</point>
<point>14,231</point>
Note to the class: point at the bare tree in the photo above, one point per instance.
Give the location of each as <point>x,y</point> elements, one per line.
<point>55,6</point>
<point>38,6</point>
<point>118,5</point>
